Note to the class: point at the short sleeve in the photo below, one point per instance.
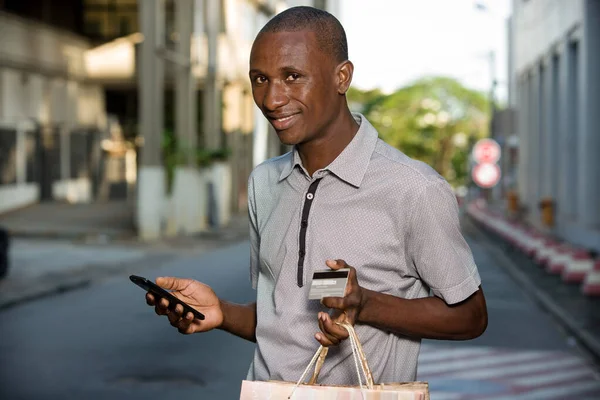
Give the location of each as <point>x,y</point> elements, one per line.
<point>254,237</point>
<point>440,254</point>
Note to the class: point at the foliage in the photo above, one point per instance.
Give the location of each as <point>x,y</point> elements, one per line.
<point>221,154</point>
<point>434,120</point>
<point>362,99</point>
<point>175,154</point>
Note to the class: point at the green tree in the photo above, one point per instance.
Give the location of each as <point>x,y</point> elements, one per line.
<point>359,100</point>
<point>434,120</point>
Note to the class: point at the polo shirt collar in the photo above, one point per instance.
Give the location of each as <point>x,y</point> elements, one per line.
<point>352,163</point>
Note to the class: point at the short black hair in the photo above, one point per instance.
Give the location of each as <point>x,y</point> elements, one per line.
<point>330,33</point>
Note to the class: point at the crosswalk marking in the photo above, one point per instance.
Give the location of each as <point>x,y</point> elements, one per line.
<point>444,354</point>
<point>484,361</point>
<point>556,377</point>
<point>519,369</point>
<point>447,396</point>
<point>478,373</point>
<point>552,392</point>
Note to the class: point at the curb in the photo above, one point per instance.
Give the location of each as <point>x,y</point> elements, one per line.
<point>585,337</point>
<point>48,291</point>
<point>24,234</point>
<point>89,274</point>
<point>24,291</point>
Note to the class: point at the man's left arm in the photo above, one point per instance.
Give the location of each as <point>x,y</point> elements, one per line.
<point>428,318</point>
<point>443,261</point>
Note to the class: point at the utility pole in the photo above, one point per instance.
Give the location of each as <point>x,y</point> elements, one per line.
<point>493,83</point>
<point>211,103</point>
<point>185,85</point>
<point>151,177</point>
<point>186,214</point>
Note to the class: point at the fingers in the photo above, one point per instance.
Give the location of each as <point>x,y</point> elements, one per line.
<point>183,323</point>
<point>175,315</point>
<point>331,334</point>
<point>337,303</point>
<point>336,264</point>
<point>352,279</point>
<point>149,299</point>
<point>324,337</point>
<point>171,283</point>
<point>161,306</point>
<point>332,328</point>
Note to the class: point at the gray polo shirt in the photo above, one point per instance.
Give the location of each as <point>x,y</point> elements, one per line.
<point>392,218</point>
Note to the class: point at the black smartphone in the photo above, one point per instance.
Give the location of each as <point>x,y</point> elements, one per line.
<point>156,290</point>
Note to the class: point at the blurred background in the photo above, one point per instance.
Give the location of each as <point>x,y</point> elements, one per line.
<point>128,131</point>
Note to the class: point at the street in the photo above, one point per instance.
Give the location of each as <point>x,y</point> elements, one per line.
<point>101,341</point>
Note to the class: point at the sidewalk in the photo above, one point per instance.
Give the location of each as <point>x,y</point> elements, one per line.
<point>46,265</point>
<point>107,220</point>
<point>578,314</point>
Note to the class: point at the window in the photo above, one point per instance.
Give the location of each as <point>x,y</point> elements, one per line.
<point>96,23</point>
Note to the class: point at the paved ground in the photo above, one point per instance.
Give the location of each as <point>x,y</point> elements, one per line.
<point>578,313</point>
<point>72,326</point>
<point>99,220</point>
<point>526,352</point>
<point>100,341</point>
<point>40,267</point>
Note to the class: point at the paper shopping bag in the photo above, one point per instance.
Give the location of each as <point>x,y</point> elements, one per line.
<point>255,390</point>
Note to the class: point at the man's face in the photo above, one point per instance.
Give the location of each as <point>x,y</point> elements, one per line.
<point>294,84</point>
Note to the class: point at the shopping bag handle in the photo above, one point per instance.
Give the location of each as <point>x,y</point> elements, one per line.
<point>356,349</point>
<point>360,361</point>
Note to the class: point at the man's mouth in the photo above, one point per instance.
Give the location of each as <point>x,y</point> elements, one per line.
<point>283,123</point>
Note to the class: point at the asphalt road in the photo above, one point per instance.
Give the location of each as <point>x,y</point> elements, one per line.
<point>103,342</point>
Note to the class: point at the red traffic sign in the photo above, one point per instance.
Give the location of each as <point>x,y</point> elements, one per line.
<point>486,175</point>
<point>486,151</point>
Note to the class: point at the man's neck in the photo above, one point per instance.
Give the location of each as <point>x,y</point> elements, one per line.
<point>318,154</point>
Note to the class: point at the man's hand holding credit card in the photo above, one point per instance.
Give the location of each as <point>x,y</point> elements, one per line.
<point>329,283</point>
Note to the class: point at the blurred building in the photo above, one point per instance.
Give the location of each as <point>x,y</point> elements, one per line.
<point>90,90</point>
<point>52,118</point>
<point>556,93</point>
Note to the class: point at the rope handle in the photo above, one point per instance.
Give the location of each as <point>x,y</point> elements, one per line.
<point>360,362</point>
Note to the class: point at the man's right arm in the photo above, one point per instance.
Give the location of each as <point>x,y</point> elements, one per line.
<point>239,320</point>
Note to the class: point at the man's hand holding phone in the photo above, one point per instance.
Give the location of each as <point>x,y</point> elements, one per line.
<point>197,295</point>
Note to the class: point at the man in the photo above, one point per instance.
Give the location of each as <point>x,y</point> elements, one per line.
<point>341,199</point>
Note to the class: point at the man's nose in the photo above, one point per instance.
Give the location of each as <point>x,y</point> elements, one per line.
<point>275,96</point>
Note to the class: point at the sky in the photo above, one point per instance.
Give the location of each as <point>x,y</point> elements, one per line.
<point>394,42</point>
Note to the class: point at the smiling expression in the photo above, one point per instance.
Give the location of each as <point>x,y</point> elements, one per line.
<point>295,85</point>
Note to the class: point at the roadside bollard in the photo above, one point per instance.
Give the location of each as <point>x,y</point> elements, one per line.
<point>513,203</point>
<point>547,208</point>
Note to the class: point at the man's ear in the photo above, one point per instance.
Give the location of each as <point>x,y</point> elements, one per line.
<point>344,73</point>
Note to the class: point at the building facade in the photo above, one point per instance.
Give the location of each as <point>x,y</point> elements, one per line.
<point>78,91</point>
<point>52,119</point>
<point>555,57</point>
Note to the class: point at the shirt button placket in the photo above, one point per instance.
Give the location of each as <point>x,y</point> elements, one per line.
<point>310,195</point>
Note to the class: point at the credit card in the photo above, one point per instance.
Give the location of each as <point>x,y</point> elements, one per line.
<point>328,283</point>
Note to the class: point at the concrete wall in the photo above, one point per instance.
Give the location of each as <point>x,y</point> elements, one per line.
<point>32,46</point>
<point>42,71</point>
<point>16,196</point>
<point>543,23</point>
<point>557,92</point>
<point>16,186</point>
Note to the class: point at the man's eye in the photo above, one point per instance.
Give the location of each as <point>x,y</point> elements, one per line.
<point>260,79</point>
<point>293,77</point>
